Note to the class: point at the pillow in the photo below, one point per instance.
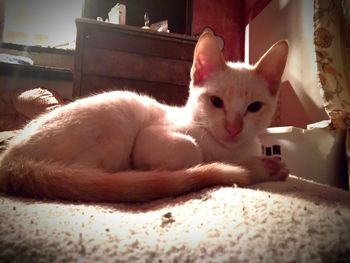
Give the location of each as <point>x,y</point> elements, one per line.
<point>20,105</point>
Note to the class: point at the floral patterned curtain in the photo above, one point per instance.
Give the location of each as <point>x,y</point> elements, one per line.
<point>332,45</point>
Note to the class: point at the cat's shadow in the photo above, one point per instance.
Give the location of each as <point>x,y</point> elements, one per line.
<point>293,186</point>
<point>137,207</point>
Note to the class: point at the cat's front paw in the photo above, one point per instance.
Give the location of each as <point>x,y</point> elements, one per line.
<point>267,169</point>
<point>275,169</point>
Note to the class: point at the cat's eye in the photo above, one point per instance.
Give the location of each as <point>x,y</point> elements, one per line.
<point>255,106</point>
<point>216,101</point>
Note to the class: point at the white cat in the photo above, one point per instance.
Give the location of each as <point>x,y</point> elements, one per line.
<point>119,146</point>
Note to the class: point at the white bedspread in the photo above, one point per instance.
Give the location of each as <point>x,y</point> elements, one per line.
<point>292,221</point>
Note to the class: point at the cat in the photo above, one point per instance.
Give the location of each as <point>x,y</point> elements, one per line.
<point>119,146</point>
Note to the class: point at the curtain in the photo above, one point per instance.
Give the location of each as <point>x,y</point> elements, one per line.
<point>332,45</point>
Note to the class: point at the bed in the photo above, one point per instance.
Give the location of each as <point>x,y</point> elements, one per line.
<point>292,221</point>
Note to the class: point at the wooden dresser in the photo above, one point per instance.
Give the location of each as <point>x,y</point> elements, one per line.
<point>119,57</point>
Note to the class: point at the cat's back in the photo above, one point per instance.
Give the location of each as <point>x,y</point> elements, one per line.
<point>103,108</point>
<point>113,102</point>
<point>100,116</point>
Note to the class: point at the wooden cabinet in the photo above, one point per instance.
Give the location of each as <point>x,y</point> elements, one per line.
<point>120,57</point>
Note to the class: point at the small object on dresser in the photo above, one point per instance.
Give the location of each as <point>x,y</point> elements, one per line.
<point>146,18</point>
<point>117,14</point>
<point>161,26</point>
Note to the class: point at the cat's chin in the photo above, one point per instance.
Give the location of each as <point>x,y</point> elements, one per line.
<point>232,142</point>
<point>226,141</point>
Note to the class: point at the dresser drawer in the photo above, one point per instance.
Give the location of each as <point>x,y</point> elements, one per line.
<point>114,57</point>
<point>103,62</point>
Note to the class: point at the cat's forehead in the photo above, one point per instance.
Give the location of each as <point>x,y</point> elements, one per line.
<point>239,81</point>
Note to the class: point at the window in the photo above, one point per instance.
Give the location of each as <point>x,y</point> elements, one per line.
<point>41,22</point>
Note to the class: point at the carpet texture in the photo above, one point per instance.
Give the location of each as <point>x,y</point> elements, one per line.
<point>292,221</point>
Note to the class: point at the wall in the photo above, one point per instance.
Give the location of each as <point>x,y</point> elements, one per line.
<point>226,18</point>
<point>252,8</point>
<point>301,101</point>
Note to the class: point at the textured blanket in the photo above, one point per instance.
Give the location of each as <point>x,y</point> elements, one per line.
<point>292,221</point>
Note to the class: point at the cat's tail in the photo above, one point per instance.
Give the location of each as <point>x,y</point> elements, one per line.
<point>55,181</point>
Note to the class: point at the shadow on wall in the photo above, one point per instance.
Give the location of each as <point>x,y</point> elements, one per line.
<point>292,111</point>
<point>301,101</point>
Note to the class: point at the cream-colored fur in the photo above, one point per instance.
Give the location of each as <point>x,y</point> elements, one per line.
<point>120,146</point>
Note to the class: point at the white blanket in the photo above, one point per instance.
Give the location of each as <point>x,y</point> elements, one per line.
<point>292,221</point>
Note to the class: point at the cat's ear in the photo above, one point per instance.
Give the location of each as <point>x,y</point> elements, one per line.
<point>207,58</point>
<point>271,65</point>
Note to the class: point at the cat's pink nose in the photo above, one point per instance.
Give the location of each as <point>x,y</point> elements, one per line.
<point>233,129</point>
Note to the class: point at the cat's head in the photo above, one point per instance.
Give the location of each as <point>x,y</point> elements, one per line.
<point>234,101</point>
